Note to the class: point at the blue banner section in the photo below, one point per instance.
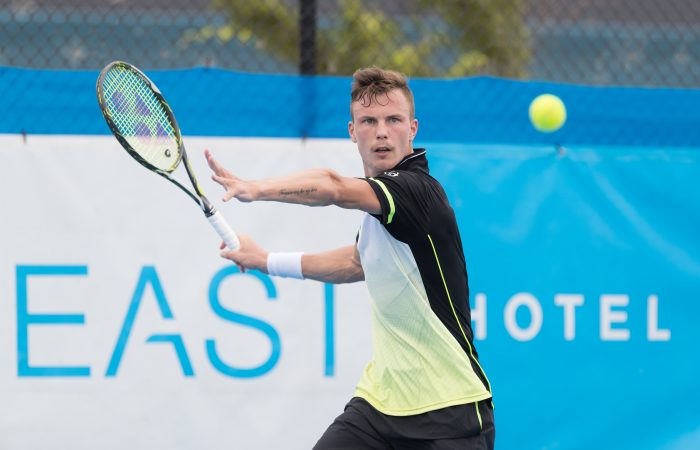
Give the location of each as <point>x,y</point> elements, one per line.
<point>213,102</point>
<point>589,265</point>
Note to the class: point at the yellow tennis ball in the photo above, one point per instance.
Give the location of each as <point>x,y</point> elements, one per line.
<point>547,113</point>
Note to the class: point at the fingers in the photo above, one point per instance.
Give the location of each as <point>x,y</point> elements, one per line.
<point>222,245</point>
<point>229,254</point>
<point>210,159</point>
<point>234,257</point>
<point>223,177</point>
<point>225,183</point>
<point>213,164</point>
<point>219,180</point>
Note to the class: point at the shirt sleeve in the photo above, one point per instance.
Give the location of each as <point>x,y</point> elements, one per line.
<point>405,200</point>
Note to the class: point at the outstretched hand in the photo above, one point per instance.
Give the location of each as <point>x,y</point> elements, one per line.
<point>235,187</point>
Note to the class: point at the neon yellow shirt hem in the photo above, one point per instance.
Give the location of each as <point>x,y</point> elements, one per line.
<point>420,409</point>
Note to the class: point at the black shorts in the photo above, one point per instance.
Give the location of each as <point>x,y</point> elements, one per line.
<point>456,427</point>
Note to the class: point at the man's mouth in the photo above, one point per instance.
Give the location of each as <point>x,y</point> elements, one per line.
<point>382,150</point>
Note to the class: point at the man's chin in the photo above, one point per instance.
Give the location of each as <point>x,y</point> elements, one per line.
<point>386,162</point>
<point>381,168</point>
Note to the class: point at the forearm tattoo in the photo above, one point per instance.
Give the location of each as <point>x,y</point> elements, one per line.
<point>304,192</point>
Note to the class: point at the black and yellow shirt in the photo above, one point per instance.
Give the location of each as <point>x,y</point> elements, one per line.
<point>423,352</point>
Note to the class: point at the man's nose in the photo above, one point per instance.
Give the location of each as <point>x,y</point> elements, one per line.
<point>381,131</point>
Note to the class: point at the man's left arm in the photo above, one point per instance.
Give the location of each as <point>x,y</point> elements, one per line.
<point>315,187</point>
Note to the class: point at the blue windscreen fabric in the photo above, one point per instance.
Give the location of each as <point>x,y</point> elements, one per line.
<point>618,228</point>
<point>213,102</point>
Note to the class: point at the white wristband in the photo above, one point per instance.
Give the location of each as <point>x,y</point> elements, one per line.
<point>285,265</point>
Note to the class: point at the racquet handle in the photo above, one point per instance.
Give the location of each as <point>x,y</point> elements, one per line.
<point>222,227</point>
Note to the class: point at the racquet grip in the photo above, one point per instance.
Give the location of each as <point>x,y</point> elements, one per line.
<point>222,227</point>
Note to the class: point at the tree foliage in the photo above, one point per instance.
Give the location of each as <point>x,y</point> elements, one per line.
<point>435,38</point>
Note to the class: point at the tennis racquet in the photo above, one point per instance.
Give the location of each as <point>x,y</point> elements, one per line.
<point>145,126</point>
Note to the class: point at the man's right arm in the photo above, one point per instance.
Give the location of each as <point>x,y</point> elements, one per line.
<point>341,265</point>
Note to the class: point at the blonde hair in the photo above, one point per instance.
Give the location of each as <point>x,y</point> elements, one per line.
<point>371,82</point>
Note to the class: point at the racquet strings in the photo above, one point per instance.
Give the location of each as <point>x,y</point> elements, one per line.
<point>141,118</point>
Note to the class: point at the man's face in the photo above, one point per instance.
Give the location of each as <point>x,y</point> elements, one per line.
<point>383,131</point>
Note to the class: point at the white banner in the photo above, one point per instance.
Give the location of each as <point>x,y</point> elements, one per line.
<point>121,327</point>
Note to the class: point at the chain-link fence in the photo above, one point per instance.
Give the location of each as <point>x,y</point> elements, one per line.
<point>602,42</point>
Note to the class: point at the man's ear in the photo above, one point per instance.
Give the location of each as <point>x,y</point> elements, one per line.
<point>351,131</point>
<point>414,129</point>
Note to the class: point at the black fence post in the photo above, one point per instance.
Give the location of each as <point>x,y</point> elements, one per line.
<point>307,37</point>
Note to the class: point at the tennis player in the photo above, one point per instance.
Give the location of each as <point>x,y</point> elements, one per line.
<point>424,387</point>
